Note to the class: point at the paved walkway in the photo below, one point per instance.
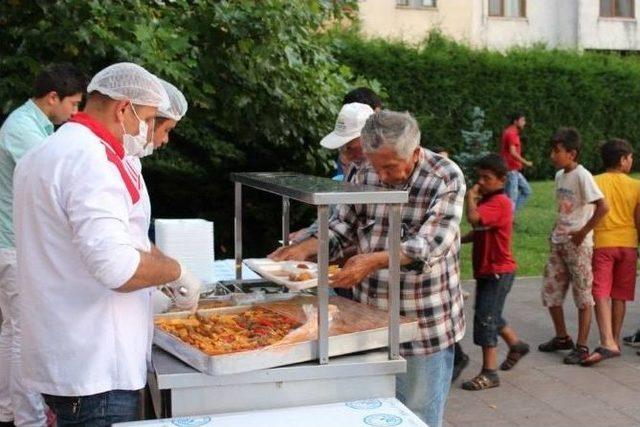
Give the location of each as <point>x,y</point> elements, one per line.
<point>541,391</point>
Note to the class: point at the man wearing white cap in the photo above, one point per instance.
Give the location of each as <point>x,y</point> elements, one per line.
<point>346,133</point>
<point>85,278</point>
<point>345,138</point>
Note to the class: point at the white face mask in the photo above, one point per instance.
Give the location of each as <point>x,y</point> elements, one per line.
<point>134,145</point>
<point>147,151</point>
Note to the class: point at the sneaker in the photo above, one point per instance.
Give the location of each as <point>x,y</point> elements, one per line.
<point>577,356</point>
<point>459,366</point>
<point>632,340</point>
<point>557,343</point>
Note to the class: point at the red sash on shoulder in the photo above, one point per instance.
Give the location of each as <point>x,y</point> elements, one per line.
<point>113,148</point>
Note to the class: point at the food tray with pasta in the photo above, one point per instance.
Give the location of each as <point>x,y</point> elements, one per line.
<point>295,275</point>
<point>222,333</point>
<point>231,340</point>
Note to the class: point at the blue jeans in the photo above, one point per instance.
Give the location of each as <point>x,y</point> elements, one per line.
<point>97,410</point>
<point>491,293</point>
<point>518,189</point>
<point>424,388</point>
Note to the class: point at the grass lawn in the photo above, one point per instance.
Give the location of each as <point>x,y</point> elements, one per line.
<point>531,233</point>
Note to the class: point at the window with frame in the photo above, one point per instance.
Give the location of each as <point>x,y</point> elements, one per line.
<point>617,9</point>
<point>416,3</point>
<point>508,8</point>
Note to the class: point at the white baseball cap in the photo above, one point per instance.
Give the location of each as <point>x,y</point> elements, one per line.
<point>349,124</point>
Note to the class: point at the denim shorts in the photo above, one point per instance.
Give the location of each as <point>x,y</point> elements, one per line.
<point>491,293</point>
<point>97,410</point>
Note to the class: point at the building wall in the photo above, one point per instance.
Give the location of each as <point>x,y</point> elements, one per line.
<point>382,18</point>
<point>555,23</point>
<point>607,33</point>
<point>549,22</point>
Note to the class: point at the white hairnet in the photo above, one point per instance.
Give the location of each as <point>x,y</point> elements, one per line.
<point>128,81</point>
<point>177,103</point>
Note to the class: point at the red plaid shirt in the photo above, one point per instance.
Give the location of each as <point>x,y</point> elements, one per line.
<point>429,287</point>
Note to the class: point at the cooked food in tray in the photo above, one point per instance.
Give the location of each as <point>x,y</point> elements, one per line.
<point>230,333</point>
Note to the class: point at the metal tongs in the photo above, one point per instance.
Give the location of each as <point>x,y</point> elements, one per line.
<point>171,293</point>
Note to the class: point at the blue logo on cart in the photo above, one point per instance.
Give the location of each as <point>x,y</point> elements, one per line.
<point>190,421</point>
<point>364,404</point>
<point>382,420</point>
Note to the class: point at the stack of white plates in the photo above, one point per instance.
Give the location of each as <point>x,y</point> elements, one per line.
<point>190,241</point>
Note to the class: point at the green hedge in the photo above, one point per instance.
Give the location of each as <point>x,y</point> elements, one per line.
<point>441,81</point>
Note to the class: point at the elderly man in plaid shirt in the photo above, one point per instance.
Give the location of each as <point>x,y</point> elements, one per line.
<point>430,288</point>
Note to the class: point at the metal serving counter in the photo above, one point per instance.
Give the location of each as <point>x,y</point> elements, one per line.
<point>178,389</point>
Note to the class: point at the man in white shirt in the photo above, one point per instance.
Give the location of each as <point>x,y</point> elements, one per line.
<point>86,277</point>
<point>56,93</point>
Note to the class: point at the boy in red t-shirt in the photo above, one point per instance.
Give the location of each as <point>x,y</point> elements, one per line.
<point>517,188</point>
<point>489,212</point>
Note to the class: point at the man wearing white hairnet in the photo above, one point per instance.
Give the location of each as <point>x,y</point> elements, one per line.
<point>85,273</point>
<point>167,117</point>
<point>166,120</point>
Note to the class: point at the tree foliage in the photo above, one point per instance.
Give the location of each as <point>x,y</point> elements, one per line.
<point>261,81</point>
<point>476,143</point>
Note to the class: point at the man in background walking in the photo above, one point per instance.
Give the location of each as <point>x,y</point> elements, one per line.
<point>517,187</point>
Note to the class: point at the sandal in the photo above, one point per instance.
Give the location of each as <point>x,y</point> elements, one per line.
<point>516,353</point>
<point>577,356</point>
<point>557,343</point>
<point>598,355</point>
<point>481,382</point>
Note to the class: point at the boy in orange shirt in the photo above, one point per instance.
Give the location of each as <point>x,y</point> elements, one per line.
<point>615,253</point>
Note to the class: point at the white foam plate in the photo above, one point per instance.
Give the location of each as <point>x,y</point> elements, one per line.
<point>278,272</point>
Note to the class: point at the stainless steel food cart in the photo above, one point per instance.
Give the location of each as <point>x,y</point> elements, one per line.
<point>178,389</point>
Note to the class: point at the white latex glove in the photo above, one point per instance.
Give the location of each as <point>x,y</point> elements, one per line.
<point>161,302</point>
<point>186,290</point>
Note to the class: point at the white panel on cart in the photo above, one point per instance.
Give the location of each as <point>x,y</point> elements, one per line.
<point>387,412</point>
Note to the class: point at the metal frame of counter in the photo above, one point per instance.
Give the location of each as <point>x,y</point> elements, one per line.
<point>322,192</point>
